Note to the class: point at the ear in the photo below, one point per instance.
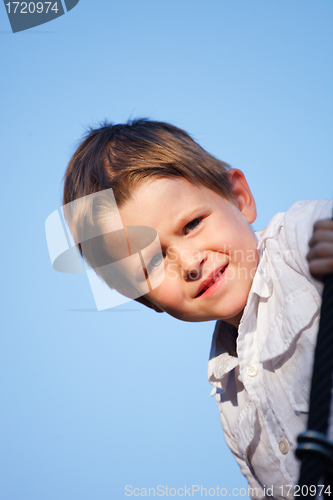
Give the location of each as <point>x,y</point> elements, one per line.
<point>242,195</point>
<point>146,302</point>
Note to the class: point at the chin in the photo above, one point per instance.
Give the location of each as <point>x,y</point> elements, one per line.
<point>195,318</point>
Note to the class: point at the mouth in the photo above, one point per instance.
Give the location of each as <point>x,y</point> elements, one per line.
<point>214,277</point>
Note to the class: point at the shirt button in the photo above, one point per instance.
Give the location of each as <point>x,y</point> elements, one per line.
<point>252,370</point>
<point>283,446</point>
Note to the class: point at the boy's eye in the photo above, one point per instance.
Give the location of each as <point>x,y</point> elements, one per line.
<point>156,260</point>
<point>192,225</point>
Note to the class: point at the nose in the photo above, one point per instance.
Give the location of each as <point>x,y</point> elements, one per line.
<point>191,262</point>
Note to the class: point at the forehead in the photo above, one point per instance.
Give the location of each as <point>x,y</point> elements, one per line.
<point>166,199</point>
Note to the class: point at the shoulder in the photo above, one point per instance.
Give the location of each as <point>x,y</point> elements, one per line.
<point>299,217</point>
<point>298,223</point>
<point>291,231</point>
<point>302,215</point>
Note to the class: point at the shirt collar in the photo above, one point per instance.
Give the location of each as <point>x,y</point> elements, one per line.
<point>223,357</point>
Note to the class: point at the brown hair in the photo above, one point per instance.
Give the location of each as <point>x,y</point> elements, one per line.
<point>123,156</point>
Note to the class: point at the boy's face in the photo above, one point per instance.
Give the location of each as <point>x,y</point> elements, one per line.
<point>209,249</point>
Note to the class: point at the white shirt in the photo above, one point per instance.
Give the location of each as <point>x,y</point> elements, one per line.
<point>263,391</point>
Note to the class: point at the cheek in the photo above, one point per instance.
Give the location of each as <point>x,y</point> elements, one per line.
<point>172,272</point>
<point>168,294</point>
<point>245,247</point>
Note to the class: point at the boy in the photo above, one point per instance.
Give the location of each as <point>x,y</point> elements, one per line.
<point>210,265</point>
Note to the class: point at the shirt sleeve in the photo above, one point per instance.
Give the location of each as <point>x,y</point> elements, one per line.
<point>298,229</point>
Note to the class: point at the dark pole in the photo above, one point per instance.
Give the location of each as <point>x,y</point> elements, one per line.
<point>314,448</point>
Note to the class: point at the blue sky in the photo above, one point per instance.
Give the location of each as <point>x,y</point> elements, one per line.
<point>94,401</point>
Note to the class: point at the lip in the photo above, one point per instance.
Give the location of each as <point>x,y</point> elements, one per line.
<point>213,281</point>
